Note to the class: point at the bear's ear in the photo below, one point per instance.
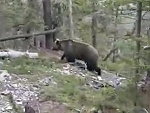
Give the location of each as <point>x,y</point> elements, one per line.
<point>57,42</point>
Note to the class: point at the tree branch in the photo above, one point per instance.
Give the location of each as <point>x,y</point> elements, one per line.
<point>125,16</point>
<point>111,51</point>
<point>28,35</point>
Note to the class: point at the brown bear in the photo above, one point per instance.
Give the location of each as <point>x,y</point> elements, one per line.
<point>78,50</point>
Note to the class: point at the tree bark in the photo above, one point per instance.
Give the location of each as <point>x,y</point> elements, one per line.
<point>148,35</point>
<point>32,4</point>
<point>148,47</point>
<point>28,35</point>
<point>138,28</point>
<point>27,41</point>
<point>94,26</point>
<point>47,9</point>
<point>57,17</point>
<point>115,35</point>
<point>138,32</point>
<point>71,27</point>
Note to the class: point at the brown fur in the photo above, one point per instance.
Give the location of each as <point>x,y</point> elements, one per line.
<point>79,50</point>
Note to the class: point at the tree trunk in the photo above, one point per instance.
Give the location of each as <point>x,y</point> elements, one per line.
<point>28,28</point>
<point>148,73</point>
<point>138,28</point>
<point>27,41</point>
<point>71,27</point>
<point>47,10</point>
<point>57,18</point>
<point>138,32</point>
<point>94,26</point>
<point>115,35</point>
<point>148,53</point>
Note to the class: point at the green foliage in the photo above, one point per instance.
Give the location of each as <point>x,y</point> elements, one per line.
<point>85,36</point>
<point>32,18</point>
<point>124,66</point>
<point>82,6</point>
<point>29,66</point>
<point>70,89</point>
<point>127,96</point>
<point>17,12</point>
<point>127,48</point>
<point>13,11</point>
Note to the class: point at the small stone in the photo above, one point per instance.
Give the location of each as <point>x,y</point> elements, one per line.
<point>9,108</point>
<point>5,93</point>
<point>35,85</point>
<point>99,78</point>
<point>3,75</point>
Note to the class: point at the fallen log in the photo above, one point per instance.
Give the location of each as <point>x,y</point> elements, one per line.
<point>146,47</point>
<point>29,35</point>
<point>8,53</point>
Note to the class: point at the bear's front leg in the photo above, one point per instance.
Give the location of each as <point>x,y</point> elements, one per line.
<point>63,56</point>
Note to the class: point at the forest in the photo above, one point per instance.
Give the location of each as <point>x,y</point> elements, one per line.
<point>74,56</point>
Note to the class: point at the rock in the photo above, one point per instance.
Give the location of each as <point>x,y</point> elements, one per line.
<point>1,65</point>
<point>94,81</point>
<point>36,86</point>
<point>95,84</point>
<point>5,93</point>
<point>32,55</point>
<point>47,81</point>
<point>80,64</point>
<point>4,75</point>
<point>99,78</point>
<point>112,79</point>
<point>9,108</point>
<point>94,110</point>
<point>5,106</point>
<point>140,110</point>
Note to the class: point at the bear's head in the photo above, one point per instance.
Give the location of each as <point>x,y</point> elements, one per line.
<point>57,45</point>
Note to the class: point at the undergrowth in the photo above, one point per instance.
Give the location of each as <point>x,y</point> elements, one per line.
<point>69,89</point>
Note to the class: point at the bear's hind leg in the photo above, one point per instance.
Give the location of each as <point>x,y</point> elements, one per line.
<point>98,70</point>
<point>93,67</point>
<point>90,66</point>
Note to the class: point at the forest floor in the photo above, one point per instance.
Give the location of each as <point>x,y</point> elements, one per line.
<point>53,86</point>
